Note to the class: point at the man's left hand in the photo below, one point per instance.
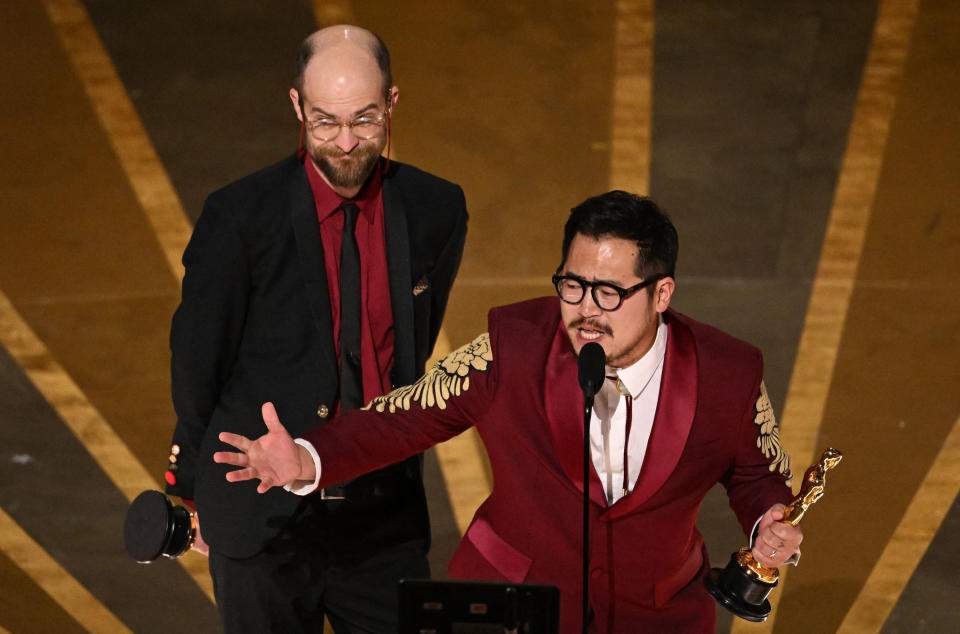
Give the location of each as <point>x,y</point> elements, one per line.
<point>777,542</point>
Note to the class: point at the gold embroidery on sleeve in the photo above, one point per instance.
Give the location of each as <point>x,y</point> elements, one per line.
<point>768,435</point>
<point>450,376</point>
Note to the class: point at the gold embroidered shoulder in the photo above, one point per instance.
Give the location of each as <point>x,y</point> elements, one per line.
<point>450,376</point>
<point>768,435</point>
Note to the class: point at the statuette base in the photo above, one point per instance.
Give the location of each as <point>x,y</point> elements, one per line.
<point>740,592</point>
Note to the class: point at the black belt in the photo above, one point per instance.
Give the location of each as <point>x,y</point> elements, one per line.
<point>379,487</point>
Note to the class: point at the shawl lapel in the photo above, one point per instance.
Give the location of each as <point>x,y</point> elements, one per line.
<point>676,407</point>
<point>564,406</point>
<point>401,286</point>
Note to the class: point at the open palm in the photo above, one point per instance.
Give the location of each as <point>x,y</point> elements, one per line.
<point>273,458</point>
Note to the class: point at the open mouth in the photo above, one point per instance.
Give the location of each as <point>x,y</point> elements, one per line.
<point>590,335</point>
<point>587,331</point>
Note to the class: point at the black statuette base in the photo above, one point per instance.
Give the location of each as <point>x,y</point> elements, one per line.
<point>155,528</point>
<point>739,593</point>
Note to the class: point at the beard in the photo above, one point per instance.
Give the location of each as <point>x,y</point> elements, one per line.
<point>346,170</point>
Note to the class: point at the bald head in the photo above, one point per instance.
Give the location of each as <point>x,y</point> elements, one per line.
<point>344,42</point>
<point>343,76</point>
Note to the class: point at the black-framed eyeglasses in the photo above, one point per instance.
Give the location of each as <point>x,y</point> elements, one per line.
<point>573,289</point>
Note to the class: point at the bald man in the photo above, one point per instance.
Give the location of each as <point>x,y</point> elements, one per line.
<point>318,282</point>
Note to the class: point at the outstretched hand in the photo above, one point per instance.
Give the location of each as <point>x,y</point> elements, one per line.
<point>273,458</point>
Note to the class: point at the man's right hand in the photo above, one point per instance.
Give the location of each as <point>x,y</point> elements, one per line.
<point>274,458</point>
<point>198,544</point>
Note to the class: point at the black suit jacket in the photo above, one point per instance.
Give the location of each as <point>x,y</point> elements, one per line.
<point>254,325</point>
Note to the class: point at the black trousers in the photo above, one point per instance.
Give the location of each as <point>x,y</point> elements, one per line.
<point>331,562</point>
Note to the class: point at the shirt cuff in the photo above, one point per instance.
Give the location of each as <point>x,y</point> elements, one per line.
<point>305,487</point>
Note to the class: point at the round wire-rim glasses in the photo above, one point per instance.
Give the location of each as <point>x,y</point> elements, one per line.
<point>364,127</point>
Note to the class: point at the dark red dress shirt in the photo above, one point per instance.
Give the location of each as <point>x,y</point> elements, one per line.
<point>376,328</point>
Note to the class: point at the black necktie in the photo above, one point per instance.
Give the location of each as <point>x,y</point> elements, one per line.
<point>351,377</point>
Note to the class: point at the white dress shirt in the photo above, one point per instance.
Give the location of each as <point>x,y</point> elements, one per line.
<point>608,423</point>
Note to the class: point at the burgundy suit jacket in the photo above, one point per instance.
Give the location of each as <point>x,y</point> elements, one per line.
<point>518,386</point>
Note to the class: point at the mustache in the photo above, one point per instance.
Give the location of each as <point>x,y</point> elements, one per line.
<point>593,325</point>
<point>335,152</point>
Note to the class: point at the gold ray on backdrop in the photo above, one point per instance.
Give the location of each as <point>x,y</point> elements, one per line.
<point>162,207</point>
<point>82,418</point>
<point>842,246</point>
<point>120,121</point>
<point>55,581</point>
<point>909,542</point>
<point>632,96</point>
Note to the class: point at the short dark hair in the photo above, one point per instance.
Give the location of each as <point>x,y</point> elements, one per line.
<point>620,214</point>
<point>378,49</point>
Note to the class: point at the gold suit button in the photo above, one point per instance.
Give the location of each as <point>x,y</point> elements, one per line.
<point>323,411</point>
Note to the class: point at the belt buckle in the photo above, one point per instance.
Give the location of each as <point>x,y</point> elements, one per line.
<point>324,496</point>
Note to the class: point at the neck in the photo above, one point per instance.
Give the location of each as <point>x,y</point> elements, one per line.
<point>642,347</point>
<point>635,354</point>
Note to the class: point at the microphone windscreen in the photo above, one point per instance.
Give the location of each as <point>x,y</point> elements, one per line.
<point>590,368</point>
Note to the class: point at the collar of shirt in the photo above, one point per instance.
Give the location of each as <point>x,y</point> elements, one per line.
<point>328,201</point>
<point>608,428</point>
<point>636,377</point>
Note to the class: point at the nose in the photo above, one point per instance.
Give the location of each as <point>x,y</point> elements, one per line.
<point>346,140</point>
<point>588,307</point>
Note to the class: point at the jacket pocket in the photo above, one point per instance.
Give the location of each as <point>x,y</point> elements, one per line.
<point>665,589</point>
<point>421,322</point>
<point>508,561</point>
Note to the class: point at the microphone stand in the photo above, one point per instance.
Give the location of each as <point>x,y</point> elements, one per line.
<point>586,513</point>
<point>590,373</point>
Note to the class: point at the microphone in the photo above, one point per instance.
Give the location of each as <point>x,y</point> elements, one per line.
<point>590,368</point>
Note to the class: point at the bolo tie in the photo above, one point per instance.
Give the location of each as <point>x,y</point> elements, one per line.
<point>622,390</point>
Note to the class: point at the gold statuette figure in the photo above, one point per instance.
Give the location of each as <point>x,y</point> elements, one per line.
<point>742,587</point>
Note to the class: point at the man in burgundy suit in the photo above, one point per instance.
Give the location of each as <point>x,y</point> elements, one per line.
<point>685,407</point>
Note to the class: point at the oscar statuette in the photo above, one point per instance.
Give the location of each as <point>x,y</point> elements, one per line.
<point>155,527</point>
<point>742,587</point>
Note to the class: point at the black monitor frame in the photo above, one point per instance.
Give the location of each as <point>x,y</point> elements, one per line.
<point>477,607</point>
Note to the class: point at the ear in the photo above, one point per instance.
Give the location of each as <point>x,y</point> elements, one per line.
<point>394,95</point>
<point>295,99</point>
<point>662,294</point>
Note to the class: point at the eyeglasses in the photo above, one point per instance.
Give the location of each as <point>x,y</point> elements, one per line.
<point>573,289</point>
<point>364,127</point>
